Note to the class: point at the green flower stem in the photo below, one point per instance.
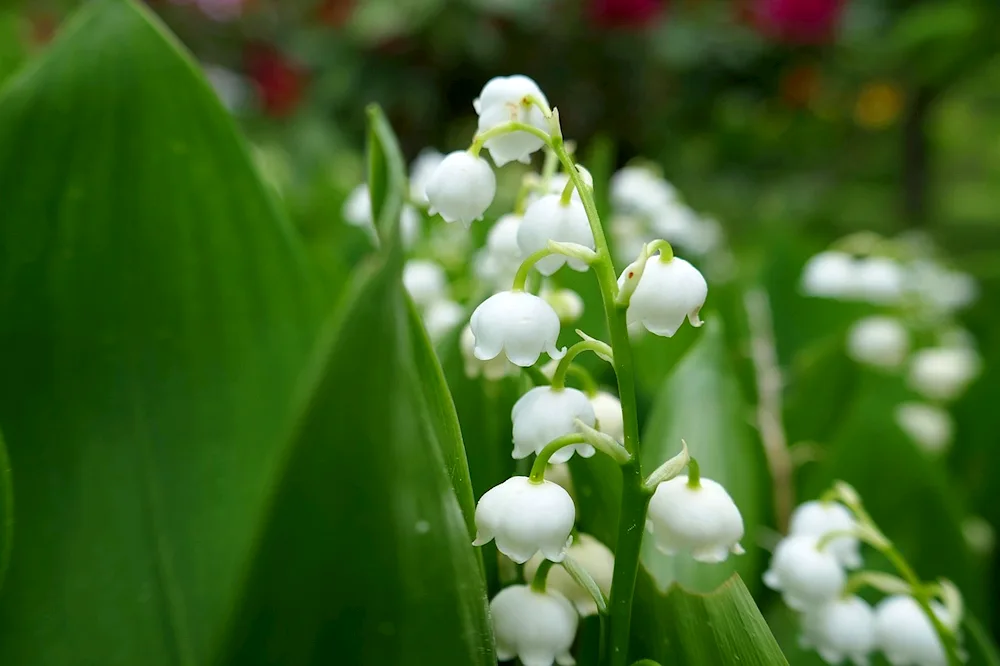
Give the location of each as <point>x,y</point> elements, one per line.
<point>694,474</point>
<point>538,582</point>
<point>536,376</point>
<point>596,346</point>
<point>632,517</point>
<point>567,193</point>
<point>525,268</point>
<point>665,248</point>
<point>586,581</point>
<point>538,468</point>
<point>505,128</point>
<point>587,382</point>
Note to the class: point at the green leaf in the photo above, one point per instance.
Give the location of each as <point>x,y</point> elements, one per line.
<point>716,629</point>
<point>366,558</point>
<point>155,313</point>
<point>387,184</point>
<point>597,486</point>
<point>701,402</point>
<point>6,510</point>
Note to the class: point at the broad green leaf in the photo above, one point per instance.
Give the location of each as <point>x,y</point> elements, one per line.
<point>6,510</point>
<point>366,558</point>
<point>597,486</point>
<point>387,184</point>
<point>701,402</point>
<point>719,628</point>
<point>155,313</point>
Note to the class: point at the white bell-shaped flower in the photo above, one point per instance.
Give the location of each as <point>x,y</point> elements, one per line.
<point>879,341</point>
<point>544,414</point>
<point>493,369</point>
<point>500,259</point>
<point>830,274</point>
<point>637,190</point>
<point>441,318</point>
<point>817,519</point>
<point>461,188</point>
<point>501,101</point>
<point>536,627</point>
<point>517,323</point>
<point>905,633</point>
<point>943,373</point>
<point>357,212</point>
<point>608,410</point>
<point>703,520</point>
<point>425,281</point>
<point>668,291</point>
<point>940,289</point>
<point>423,167</point>
<point>929,426</point>
<point>593,557</point>
<point>806,576</point>
<point>550,219</point>
<point>842,629</point>
<point>880,280</point>
<point>526,517</point>
<point>567,303</point>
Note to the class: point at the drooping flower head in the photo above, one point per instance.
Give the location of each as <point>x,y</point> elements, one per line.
<point>537,627</point>
<point>518,324</point>
<point>703,520</point>
<point>545,413</point>
<point>525,517</point>
<point>503,100</point>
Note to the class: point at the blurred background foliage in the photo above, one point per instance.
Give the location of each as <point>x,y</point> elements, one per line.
<point>792,122</point>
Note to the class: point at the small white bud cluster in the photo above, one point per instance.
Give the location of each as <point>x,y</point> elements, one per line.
<point>810,568</point>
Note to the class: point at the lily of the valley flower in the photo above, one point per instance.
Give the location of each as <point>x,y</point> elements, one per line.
<point>830,274</point>
<point>806,576</point>
<point>517,323</point>
<point>502,255</point>
<point>441,318</point>
<point>544,414</point>
<point>357,212</point>
<point>423,167</point>
<point>536,627</point>
<point>841,629</point>
<point>549,218</point>
<point>501,101</point>
<point>525,517</point>
<point>608,410</point>
<point>637,190</point>
<point>461,188</point>
<point>702,519</point>
<point>879,341</point>
<point>493,369</point>
<point>880,280</point>
<point>593,557</point>
<point>668,291</point>
<point>906,635</point>
<point>425,281</point>
<point>943,373</point>
<point>567,303</point>
<point>817,519</point>
<point>929,426</point>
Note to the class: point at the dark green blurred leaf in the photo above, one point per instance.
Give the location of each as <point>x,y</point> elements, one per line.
<point>701,402</point>
<point>155,314</point>
<point>366,558</point>
<point>716,629</point>
<point>6,510</point>
<point>387,184</point>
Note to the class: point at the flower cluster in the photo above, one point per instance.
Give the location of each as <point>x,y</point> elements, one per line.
<point>815,568</point>
<point>553,228</point>
<point>921,298</point>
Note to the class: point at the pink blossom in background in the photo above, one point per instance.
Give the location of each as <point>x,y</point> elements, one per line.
<point>798,21</point>
<point>625,13</point>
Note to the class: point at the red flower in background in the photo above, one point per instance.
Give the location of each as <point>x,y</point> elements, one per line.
<point>625,13</point>
<point>798,21</point>
<point>279,82</point>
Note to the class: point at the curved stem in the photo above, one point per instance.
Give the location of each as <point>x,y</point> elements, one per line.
<point>694,474</point>
<point>541,575</point>
<point>587,382</point>
<point>522,271</point>
<point>665,249</point>
<point>596,346</point>
<point>586,581</point>
<point>538,467</point>
<point>506,128</point>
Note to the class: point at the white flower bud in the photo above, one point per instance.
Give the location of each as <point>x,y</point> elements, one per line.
<point>526,517</point>
<point>879,341</point>
<point>544,414</point>
<point>423,167</point>
<point>517,323</point>
<point>943,290</point>
<point>830,274</point>
<point>502,255</point>
<point>880,280</point>
<point>905,633</point>
<point>566,302</point>
<point>536,627</point>
<point>608,410</point>
<point>549,219</point>
<point>357,210</point>
<point>817,519</point>
<point>593,557</point>
<point>493,369</point>
<point>637,190</point>
<point>425,281</point>
<point>501,101</point>
<point>702,520</point>
<point>929,426</point>
<point>667,292</point>
<point>943,373</point>
<point>806,576</point>
<point>840,629</point>
<point>461,188</point>
<point>441,318</point>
